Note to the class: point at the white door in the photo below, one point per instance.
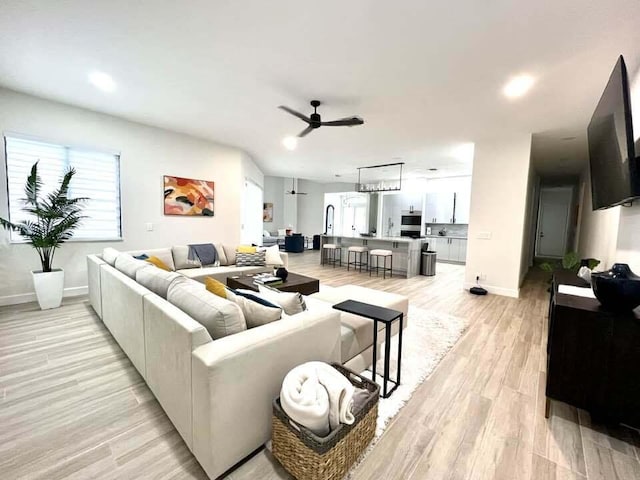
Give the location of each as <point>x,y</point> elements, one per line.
<point>553,221</point>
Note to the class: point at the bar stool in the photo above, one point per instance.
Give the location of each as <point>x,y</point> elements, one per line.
<point>377,253</point>
<point>331,247</point>
<point>357,257</point>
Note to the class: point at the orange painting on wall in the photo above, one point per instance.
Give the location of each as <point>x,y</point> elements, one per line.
<point>186,196</point>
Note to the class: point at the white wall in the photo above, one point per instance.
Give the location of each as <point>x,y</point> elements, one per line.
<point>598,231</point>
<point>499,191</point>
<point>147,154</point>
<point>274,193</point>
<point>531,212</point>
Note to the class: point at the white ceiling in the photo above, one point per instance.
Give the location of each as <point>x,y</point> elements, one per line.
<point>426,76</point>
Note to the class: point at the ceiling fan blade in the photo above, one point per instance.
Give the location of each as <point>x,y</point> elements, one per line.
<point>344,122</point>
<point>301,193</point>
<point>295,114</point>
<point>305,131</point>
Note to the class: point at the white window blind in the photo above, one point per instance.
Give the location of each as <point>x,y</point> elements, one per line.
<point>97,178</point>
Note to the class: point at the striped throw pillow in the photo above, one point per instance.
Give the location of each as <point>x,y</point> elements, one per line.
<point>250,259</point>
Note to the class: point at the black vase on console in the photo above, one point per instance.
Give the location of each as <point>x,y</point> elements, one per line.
<point>282,273</point>
<point>617,289</point>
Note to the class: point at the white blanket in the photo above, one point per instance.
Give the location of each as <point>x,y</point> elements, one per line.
<point>318,397</point>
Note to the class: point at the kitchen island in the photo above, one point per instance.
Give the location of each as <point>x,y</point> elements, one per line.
<point>406,251</point>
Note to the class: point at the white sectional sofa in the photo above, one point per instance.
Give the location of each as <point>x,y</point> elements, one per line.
<point>216,390</point>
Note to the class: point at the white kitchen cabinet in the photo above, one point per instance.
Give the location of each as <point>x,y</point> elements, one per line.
<point>411,201</point>
<point>449,249</point>
<point>462,252</point>
<point>463,206</point>
<point>439,208</point>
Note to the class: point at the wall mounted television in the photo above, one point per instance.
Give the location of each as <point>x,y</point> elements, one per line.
<point>615,173</point>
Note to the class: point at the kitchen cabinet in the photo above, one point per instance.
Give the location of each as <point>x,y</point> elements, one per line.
<point>449,249</point>
<point>438,208</point>
<point>411,201</point>
<point>463,206</point>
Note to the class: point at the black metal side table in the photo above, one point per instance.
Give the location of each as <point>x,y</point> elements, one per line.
<point>386,316</point>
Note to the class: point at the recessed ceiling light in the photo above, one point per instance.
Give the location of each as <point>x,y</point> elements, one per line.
<point>102,81</point>
<point>518,86</point>
<point>290,142</point>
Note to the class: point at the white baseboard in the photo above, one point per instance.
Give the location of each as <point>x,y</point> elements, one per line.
<point>31,297</point>
<point>506,292</point>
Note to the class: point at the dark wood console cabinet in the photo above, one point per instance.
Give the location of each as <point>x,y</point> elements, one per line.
<point>593,356</point>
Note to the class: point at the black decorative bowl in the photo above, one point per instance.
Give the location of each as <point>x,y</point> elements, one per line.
<point>282,273</point>
<point>617,289</point>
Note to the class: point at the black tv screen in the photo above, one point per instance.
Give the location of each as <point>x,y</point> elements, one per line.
<point>614,171</point>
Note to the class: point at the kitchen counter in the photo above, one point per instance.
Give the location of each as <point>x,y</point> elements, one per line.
<point>461,237</point>
<point>406,251</point>
<point>384,239</point>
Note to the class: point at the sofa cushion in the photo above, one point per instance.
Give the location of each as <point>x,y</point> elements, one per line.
<point>156,279</point>
<point>272,256</point>
<point>222,257</point>
<point>219,316</point>
<point>216,287</point>
<point>230,254</point>
<point>157,262</point>
<point>129,265</point>
<point>180,255</point>
<point>163,254</point>
<point>109,255</point>
<point>356,331</point>
<point>291,302</point>
<point>250,259</point>
<point>256,311</point>
<point>246,249</point>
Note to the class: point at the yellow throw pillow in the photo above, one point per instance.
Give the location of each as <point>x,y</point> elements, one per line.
<point>215,287</point>
<point>246,249</point>
<point>158,263</point>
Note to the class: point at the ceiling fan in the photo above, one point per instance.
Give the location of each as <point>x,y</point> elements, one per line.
<point>315,121</point>
<point>293,189</point>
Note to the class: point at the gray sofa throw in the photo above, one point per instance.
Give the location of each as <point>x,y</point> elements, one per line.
<point>205,252</point>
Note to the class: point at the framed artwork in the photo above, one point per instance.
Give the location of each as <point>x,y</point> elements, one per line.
<point>267,212</point>
<point>189,197</point>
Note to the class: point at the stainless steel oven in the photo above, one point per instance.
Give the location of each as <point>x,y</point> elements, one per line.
<point>410,222</point>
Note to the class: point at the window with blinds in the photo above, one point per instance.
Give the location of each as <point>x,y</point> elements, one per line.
<point>97,178</point>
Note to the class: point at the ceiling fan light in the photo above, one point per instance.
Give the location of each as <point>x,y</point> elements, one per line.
<point>290,142</point>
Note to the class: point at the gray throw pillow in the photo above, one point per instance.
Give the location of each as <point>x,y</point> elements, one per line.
<point>250,259</point>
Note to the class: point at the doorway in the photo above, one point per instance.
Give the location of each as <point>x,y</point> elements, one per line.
<point>554,215</point>
<point>251,233</point>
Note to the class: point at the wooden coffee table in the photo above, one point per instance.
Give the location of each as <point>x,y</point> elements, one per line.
<point>293,283</point>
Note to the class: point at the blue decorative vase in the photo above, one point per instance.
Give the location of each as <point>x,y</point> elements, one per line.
<point>617,289</point>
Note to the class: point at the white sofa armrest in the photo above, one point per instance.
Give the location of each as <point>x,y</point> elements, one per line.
<point>236,378</point>
<point>94,264</point>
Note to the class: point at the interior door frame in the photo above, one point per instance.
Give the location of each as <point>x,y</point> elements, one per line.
<point>570,190</point>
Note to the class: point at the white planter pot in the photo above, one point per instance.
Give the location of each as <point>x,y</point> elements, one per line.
<point>49,287</point>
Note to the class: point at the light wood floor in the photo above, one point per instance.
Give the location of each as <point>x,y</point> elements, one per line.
<point>73,406</point>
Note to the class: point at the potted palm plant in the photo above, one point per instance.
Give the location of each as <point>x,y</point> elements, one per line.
<point>53,219</point>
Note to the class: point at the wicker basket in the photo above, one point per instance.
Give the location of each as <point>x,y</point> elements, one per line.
<point>309,457</point>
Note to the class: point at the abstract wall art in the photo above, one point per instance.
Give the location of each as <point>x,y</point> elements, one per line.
<point>267,212</point>
<point>186,196</point>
